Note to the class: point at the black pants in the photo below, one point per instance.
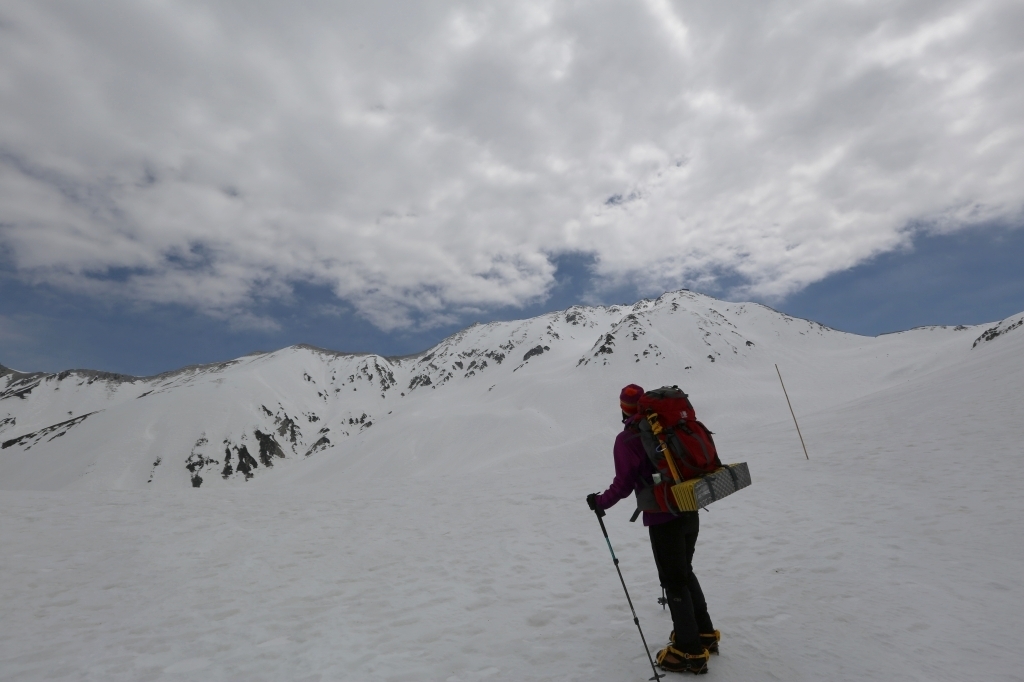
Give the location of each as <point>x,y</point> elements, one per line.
<point>673,544</point>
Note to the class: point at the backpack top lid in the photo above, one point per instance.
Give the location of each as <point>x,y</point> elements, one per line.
<point>670,403</point>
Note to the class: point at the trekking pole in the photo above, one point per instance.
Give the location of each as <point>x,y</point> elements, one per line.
<point>615,559</point>
<point>786,393</point>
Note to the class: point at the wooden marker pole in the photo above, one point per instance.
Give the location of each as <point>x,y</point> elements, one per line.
<point>792,412</point>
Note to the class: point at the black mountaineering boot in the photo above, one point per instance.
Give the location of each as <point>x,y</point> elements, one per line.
<point>710,641</point>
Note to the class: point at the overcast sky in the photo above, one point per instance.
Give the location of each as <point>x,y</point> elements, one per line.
<point>410,167</point>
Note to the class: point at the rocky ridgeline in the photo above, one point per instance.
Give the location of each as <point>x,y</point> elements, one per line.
<point>1005,327</point>
<point>327,396</point>
<point>301,401</point>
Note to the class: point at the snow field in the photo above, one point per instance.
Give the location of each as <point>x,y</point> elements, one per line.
<point>452,542</point>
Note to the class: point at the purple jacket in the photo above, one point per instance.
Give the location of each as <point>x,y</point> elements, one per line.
<point>633,470</point>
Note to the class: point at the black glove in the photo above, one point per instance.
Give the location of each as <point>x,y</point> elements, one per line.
<point>592,503</point>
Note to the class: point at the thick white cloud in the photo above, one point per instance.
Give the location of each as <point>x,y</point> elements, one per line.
<point>427,159</point>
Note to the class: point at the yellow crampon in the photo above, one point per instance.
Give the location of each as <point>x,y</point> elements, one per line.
<point>676,661</point>
<point>710,641</point>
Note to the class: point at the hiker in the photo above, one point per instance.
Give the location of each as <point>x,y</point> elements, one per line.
<point>673,537</point>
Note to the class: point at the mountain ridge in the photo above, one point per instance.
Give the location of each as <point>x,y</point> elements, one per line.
<point>97,373</point>
<point>240,419</point>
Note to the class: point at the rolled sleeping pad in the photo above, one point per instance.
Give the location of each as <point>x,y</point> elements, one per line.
<point>697,493</point>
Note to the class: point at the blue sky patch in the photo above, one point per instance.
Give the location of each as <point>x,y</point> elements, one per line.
<point>969,277</point>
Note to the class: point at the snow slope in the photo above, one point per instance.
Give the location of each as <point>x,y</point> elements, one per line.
<point>444,536</point>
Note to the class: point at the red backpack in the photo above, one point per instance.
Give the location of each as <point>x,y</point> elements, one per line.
<point>679,446</point>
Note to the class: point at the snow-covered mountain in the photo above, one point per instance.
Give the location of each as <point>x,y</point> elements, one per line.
<point>422,518</point>
<point>218,424</point>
